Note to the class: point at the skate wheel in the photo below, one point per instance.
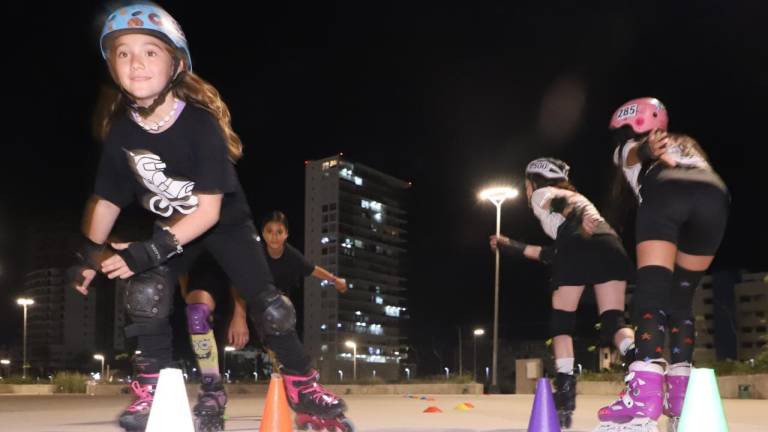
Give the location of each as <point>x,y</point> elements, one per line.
<point>347,425</point>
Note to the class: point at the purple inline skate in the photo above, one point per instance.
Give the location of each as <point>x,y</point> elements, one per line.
<point>211,403</point>
<point>677,384</point>
<point>640,403</point>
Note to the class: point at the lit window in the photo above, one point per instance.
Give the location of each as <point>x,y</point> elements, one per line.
<point>393,311</point>
<point>346,173</point>
<point>358,181</point>
<point>324,348</point>
<point>379,300</point>
<point>377,217</point>
<point>358,313</point>
<point>324,240</point>
<point>323,327</point>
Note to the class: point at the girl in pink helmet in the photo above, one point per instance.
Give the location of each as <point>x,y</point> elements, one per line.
<point>586,251</point>
<point>169,144</point>
<point>681,217</point>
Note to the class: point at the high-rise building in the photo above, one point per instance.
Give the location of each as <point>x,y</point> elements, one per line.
<point>731,316</point>
<point>64,329</point>
<point>356,227</point>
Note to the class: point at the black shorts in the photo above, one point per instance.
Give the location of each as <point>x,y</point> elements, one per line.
<point>690,214</point>
<point>596,259</point>
<point>205,274</point>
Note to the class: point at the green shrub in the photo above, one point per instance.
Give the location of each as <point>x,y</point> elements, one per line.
<point>70,382</point>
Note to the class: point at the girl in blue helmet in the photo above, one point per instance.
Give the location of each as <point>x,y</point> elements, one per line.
<point>586,251</point>
<point>169,145</point>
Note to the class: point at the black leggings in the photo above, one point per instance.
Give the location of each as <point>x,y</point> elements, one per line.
<point>242,258</point>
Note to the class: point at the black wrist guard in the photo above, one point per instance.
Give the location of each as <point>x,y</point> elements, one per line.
<point>514,248</point>
<point>86,256</point>
<point>144,255</point>
<point>547,254</point>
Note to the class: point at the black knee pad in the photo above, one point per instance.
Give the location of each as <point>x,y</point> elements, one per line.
<point>652,292</point>
<point>684,286</point>
<point>562,323</point>
<point>148,299</point>
<point>274,313</point>
<point>610,322</point>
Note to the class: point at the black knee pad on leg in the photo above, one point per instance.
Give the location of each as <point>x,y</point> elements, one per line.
<point>274,313</point>
<point>610,322</point>
<point>148,299</point>
<point>652,292</point>
<point>562,322</point>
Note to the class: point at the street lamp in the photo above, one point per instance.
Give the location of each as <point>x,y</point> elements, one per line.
<point>24,302</point>
<point>353,345</point>
<point>477,333</point>
<point>407,374</point>
<point>100,357</point>
<point>447,372</point>
<point>497,195</point>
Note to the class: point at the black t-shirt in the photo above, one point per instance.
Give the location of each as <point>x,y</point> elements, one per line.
<point>289,268</point>
<point>165,171</point>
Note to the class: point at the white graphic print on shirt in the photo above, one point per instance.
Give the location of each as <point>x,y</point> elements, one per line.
<point>169,194</point>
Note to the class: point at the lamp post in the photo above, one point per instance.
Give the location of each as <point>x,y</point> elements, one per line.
<point>351,344</point>
<point>100,357</point>
<point>461,356</point>
<point>477,333</point>
<point>497,196</point>
<point>25,302</point>
<point>407,374</point>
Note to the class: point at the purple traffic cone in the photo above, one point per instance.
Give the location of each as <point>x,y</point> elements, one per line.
<point>544,413</point>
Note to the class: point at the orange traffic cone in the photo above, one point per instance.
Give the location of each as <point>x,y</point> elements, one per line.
<point>277,414</point>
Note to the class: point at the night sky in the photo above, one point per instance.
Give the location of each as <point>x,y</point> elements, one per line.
<point>450,97</point>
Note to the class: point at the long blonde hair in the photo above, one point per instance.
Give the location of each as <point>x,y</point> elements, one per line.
<point>191,89</point>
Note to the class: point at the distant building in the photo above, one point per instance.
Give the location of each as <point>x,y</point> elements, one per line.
<point>356,226</point>
<point>731,312</point>
<point>64,328</point>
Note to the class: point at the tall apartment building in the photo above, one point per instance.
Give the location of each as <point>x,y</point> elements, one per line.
<point>355,226</point>
<point>64,329</point>
<point>731,316</point>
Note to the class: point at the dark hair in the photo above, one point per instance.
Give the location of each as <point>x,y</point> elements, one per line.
<point>539,181</point>
<point>275,216</point>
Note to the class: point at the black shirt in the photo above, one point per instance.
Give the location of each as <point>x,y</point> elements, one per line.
<point>164,171</point>
<point>289,268</point>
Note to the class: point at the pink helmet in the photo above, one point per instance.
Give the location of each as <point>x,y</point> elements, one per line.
<point>642,115</point>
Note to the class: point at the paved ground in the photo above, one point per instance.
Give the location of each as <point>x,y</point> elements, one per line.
<point>497,413</point>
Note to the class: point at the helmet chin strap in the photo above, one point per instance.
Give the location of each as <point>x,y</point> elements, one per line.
<point>148,110</point>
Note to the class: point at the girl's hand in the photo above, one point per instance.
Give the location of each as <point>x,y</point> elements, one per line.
<point>88,275</point>
<point>658,141</point>
<point>589,222</point>
<point>341,284</point>
<point>501,240</point>
<point>237,334</point>
<point>115,266</point>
